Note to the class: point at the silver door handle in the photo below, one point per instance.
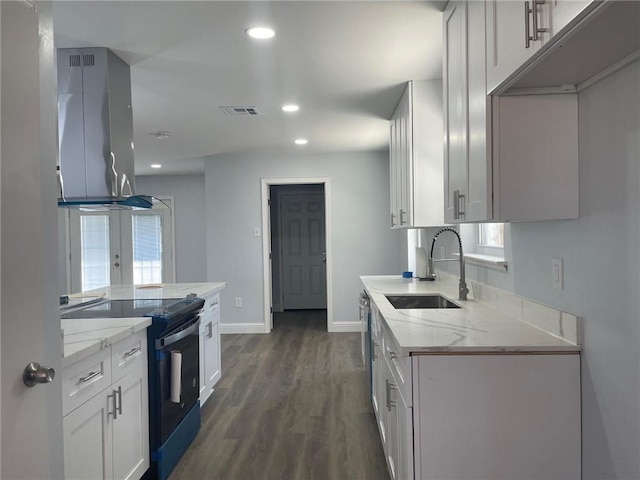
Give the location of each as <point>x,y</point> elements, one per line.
<point>34,373</point>
<point>211,329</point>
<point>402,214</point>
<point>392,217</point>
<point>119,392</point>
<point>534,17</point>
<point>113,404</point>
<point>527,34</point>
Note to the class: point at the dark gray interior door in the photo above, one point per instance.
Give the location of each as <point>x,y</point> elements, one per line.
<point>303,251</point>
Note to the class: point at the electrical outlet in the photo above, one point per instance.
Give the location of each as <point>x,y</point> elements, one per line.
<point>557,273</point>
<point>238,302</point>
<point>256,231</point>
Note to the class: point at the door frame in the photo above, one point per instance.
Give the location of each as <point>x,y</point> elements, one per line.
<point>266,244</point>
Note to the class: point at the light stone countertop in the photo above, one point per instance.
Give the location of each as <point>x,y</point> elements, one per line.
<point>474,328</point>
<point>166,290</point>
<point>84,337</point>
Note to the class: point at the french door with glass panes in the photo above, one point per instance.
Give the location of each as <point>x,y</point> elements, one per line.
<point>115,247</point>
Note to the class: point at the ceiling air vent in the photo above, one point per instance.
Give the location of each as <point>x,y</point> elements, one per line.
<point>241,111</point>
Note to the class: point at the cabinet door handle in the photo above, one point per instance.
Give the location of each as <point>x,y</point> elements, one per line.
<point>534,19</point>
<point>393,224</point>
<point>119,392</point>
<point>113,404</point>
<point>210,329</point>
<point>402,214</point>
<point>387,394</point>
<point>389,386</point>
<point>457,210</point>
<point>91,376</point>
<point>527,34</point>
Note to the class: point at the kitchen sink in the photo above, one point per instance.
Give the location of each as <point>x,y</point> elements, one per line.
<point>420,301</point>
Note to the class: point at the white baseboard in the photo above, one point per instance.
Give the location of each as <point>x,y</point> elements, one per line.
<point>233,328</point>
<point>345,327</point>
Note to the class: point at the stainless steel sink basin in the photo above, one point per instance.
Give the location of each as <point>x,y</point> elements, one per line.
<point>401,302</point>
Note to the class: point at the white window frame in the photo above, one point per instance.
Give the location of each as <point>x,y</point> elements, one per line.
<point>483,256</point>
<point>119,230</point>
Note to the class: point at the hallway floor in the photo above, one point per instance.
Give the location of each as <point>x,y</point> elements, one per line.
<point>292,404</point>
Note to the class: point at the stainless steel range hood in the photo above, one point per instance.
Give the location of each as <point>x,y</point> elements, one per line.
<point>95,131</point>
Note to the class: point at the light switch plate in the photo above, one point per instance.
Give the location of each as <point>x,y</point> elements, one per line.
<point>557,273</point>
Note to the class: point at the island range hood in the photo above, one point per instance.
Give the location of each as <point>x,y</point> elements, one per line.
<point>95,131</point>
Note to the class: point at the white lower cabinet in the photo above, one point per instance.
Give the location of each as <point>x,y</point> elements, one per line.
<point>394,414</point>
<point>107,435</point>
<point>497,416</point>
<point>210,354</point>
<point>477,416</point>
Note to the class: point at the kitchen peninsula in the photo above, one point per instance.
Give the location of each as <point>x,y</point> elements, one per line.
<point>474,390</point>
<point>118,352</point>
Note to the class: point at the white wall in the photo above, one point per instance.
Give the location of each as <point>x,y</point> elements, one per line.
<point>601,254</point>
<point>362,242</point>
<point>189,213</point>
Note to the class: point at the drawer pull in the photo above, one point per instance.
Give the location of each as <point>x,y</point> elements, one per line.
<point>132,352</point>
<point>91,376</point>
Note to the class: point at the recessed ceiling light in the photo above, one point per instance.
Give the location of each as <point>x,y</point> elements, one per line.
<point>156,165</point>
<point>261,33</point>
<point>290,108</point>
<point>301,141</point>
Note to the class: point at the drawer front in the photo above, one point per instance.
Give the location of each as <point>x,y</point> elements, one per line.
<point>129,354</point>
<point>400,368</point>
<point>211,306</point>
<point>85,379</point>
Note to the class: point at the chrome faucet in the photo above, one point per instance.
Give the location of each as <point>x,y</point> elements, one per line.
<point>431,274</point>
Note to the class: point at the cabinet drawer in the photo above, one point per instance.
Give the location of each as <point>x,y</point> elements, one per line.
<point>211,306</point>
<point>85,379</point>
<point>128,354</point>
<point>400,367</point>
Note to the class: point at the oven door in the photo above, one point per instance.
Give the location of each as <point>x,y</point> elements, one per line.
<point>172,409</point>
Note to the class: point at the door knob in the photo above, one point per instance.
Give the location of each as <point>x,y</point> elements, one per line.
<point>35,373</point>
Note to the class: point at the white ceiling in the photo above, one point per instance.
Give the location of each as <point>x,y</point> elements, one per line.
<point>343,62</point>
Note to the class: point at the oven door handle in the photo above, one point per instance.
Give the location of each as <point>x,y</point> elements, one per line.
<point>166,341</point>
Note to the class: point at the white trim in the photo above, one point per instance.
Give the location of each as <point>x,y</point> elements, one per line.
<point>489,261</point>
<point>237,328</point>
<point>346,327</point>
<point>610,70</point>
<point>266,244</point>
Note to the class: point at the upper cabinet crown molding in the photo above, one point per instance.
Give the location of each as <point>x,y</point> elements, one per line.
<point>415,156</point>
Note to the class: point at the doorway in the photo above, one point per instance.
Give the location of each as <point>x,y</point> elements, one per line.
<point>296,247</point>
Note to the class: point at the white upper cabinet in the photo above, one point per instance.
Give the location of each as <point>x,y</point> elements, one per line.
<point>512,158</point>
<point>415,156</point>
<point>467,155</point>
<point>558,45</point>
<point>515,31</point>
<point>564,11</point>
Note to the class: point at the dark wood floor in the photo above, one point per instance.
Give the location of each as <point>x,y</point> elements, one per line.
<point>292,404</point>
